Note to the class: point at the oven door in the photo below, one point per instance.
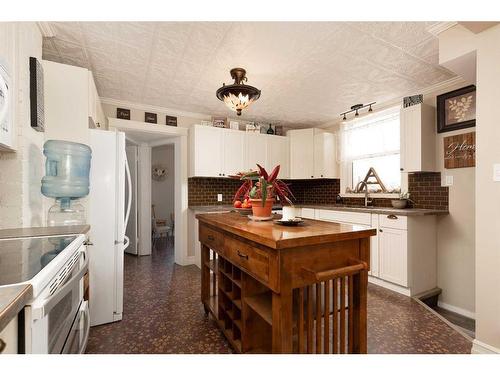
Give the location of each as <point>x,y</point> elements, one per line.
<point>79,334</point>
<point>53,317</point>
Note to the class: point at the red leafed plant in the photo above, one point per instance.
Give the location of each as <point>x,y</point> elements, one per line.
<point>262,185</point>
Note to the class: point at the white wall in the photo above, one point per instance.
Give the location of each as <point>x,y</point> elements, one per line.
<point>162,192</point>
<point>21,203</point>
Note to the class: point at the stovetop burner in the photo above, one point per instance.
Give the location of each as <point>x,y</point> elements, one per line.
<point>21,259</point>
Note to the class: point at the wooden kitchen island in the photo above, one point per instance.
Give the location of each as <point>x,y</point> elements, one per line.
<point>277,289</point>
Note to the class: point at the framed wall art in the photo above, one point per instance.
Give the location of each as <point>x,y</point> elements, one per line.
<point>171,120</point>
<point>460,151</point>
<point>152,118</point>
<point>37,109</point>
<point>123,113</point>
<point>456,109</point>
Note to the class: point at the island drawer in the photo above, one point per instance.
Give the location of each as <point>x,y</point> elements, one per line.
<point>253,260</point>
<point>393,221</point>
<point>212,238</point>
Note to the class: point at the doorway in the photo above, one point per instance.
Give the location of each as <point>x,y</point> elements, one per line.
<point>163,195</point>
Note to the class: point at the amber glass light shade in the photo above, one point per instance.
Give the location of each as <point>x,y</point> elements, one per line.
<point>238,96</point>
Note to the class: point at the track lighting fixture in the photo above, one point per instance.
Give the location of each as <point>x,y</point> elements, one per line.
<point>355,108</point>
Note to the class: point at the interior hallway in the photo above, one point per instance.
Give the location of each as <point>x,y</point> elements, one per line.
<point>163,314</point>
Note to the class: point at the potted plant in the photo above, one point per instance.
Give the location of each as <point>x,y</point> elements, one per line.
<point>261,188</point>
<point>402,201</point>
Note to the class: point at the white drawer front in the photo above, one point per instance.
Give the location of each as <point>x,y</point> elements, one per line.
<point>393,221</point>
<point>362,218</point>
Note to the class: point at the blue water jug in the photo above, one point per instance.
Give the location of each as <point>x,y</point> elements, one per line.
<point>67,170</point>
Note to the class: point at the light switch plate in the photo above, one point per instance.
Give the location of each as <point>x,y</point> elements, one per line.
<point>219,197</point>
<point>496,172</point>
<point>448,180</point>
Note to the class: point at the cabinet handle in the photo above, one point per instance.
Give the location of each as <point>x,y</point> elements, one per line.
<point>3,345</point>
<point>321,175</point>
<point>210,237</point>
<point>88,243</point>
<point>241,255</point>
<point>401,169</point>
<point>380,230</point>
<point>392,217</point>
<point>312,176</point>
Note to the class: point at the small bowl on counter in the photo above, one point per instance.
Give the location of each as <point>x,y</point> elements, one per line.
<point>399,203</point>
<point>244,211</point>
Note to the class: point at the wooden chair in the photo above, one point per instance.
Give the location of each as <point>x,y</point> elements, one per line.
<point>159,227</point>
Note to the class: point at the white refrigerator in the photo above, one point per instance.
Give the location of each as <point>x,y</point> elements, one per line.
<point>108,216</point>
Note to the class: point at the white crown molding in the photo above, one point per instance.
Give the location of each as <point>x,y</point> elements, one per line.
<point>479,347</point>
<point>439,27</point>
<point>152,108</point>
<point>46,30</point>
<point>438,87</point>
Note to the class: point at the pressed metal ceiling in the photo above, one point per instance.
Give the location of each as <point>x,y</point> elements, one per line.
<point>308,72</point>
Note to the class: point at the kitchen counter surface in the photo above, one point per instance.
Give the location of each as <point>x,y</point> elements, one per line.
<point>12,300</point>
<point>219,208</point>
<point>376,210</point>
<point>44,231</point>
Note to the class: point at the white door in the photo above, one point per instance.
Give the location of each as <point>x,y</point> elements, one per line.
<point>208,151</point>
<point>234,152</point>
<point>301,153</point>
<point>278,154</point>
<point>393,258</point>
<point>131,230</point>
<point>256,150</point>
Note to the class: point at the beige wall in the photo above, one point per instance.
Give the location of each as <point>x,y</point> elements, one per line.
<point>21,203</point>
<point>488,191</point>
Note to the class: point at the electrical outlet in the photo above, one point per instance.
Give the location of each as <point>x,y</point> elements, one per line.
<point>219,197</point>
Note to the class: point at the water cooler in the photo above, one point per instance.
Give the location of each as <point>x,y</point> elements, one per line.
<point>66,179</point>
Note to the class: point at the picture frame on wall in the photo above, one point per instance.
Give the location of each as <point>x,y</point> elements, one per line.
<point>37,108</point>
<point>151,118</point>
<point>171,120</point>
<point>123,113</point>
<point>456,109</point>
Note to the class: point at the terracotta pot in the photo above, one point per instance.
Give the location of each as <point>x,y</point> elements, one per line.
<point>260,211</point>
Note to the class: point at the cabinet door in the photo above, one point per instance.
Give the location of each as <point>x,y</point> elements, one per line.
<point>93,99</point>
<point>325,159</point>
<point>410,136</point>
<point>301,153</point>
<point>393,256</point>
<point>374,245</point>
<point>233,148</point>
<point>256,150</point>
<point>207,148</point>
<point>277,154</point>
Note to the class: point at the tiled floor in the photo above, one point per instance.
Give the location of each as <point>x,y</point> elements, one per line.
<point>163,314</point>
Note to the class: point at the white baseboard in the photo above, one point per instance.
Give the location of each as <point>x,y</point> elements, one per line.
<point>479,347</point>
<point>187,261</point>
<point>390,286</point>
<point>458,310</point>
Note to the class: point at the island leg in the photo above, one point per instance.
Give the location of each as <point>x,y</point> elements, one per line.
<point>205,277</point>
<point>360,284</point>
<point>282,321</point>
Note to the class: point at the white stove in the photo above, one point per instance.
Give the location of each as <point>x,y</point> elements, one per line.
<point>57,319</point>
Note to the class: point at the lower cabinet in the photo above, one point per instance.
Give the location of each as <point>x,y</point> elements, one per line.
<point>393,256</point>
<point>403,253</point>
<point>8,338</point>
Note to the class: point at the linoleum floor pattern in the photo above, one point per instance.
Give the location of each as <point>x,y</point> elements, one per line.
<point>163,314</point>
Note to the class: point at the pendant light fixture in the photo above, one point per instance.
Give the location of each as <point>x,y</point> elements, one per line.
<point>238,96</point>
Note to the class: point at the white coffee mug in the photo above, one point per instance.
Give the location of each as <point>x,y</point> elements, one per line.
<point>289,213</point>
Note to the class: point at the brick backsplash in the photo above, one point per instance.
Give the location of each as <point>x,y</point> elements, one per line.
<point>318,191</point>
<point>426,191</point>
<point>202,191</point>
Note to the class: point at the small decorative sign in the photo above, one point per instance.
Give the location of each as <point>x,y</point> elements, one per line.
<point>171,121</point>
<point>152,118</point>
<point>460,151</point>
<point>408,101</point>
<point>123,113</point>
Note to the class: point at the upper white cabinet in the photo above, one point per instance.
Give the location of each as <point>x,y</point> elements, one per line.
<point>418,147</point>
<point>312,154</point>
<point>72,104</point>
<point>219,152</point>
<point>278,154</point>
<point>96,114</point>
<point>233,150</point>
<point>256,150</point>
<point>206,151</point>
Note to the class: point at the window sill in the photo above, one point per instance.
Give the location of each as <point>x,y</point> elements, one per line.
<point>371,195</point>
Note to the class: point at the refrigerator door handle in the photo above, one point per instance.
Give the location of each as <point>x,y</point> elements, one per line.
<point>129,187</point>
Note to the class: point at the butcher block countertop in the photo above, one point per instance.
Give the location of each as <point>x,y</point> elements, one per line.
<point>44,231</point>
<point>267,233</point>
<point>12,300</point>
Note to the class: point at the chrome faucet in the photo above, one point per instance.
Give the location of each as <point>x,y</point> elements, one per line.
<point>359,186</point>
